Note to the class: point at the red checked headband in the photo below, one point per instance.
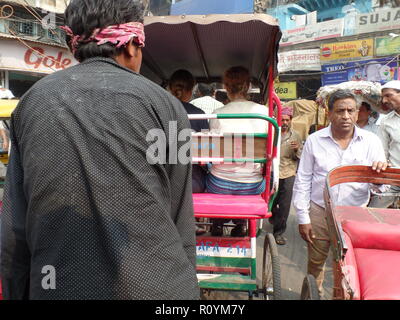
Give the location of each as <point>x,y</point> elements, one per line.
<point>119,34</point>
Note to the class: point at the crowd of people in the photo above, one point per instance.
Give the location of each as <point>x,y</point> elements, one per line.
<point>82,197</point>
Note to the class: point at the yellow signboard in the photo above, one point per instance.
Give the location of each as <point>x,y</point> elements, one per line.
<point>286,90</point>
<point>347,50</point>
<point>387,46</point>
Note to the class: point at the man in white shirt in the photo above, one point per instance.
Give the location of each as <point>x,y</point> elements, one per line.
<point>342,143</point>
<point>206,102</point>
<point>389,132</point>
<point>365,120</point>
<point>5,93</point>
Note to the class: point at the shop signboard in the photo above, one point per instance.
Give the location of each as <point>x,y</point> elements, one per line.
<point>313,32</point>
<point>286,90</point>
<point>334,74</point>
<point>299,60</point>
<point>376,70</point>
<point>38,58</point>
<point>349,50</point>
<point>386,46</point>
<point>379,20</point>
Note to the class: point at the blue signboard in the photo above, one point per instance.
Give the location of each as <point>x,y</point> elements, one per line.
<point>376,70</point>
<point>212,7</point>
<point>334,74</point>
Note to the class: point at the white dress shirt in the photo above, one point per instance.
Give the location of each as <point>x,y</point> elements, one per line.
<point>207,104</point>
<point>389,132</point>
<point>6,94</point>
<point>321,154</point>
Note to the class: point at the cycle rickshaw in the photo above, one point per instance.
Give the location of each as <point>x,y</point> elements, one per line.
<point>207,46</point>
<point>365,241</point>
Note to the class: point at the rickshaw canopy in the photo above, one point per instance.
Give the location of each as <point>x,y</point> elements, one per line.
<point>207,45</point>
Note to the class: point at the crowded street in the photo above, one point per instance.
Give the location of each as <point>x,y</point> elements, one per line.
<point>200,151</point>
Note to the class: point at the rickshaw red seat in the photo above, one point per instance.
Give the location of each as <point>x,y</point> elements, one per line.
<point>367,235</point>
<point>218,204</point>
<point>351,270</point>
<point>379,274</point>
<point>376,248</point>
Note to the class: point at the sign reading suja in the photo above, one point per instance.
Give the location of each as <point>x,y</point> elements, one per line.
<point>380,20</point>
<point>38,58</point>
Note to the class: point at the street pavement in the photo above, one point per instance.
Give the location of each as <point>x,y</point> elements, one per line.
<point>293,260</point>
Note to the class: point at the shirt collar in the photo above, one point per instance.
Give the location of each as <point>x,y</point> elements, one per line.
<point>327,133</point>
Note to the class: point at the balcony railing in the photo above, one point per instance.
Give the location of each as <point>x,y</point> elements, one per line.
<point>32,30</point>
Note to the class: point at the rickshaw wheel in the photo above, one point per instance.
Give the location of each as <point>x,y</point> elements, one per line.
<point>271,276</point>
<point>309,290</point>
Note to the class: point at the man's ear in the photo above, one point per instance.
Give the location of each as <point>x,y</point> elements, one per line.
<point>131,50</point>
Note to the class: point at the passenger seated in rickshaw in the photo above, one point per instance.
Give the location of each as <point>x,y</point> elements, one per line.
<point>181,86</point>
<point>237,178</point>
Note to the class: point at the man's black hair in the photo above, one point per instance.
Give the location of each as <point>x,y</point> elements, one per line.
<point>366,105</point>
<point>205,89</point>
<point>340,95</point>
<point>84,16</point>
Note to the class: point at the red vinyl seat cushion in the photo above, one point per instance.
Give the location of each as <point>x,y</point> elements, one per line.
<point>208,203</point>
<point>369,235</point>
<point>379,274</point>
<point>376,249</point>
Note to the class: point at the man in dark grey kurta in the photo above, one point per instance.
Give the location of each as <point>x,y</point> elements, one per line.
<point>81,198</point>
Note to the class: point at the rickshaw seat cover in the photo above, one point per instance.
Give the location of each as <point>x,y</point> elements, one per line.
<point>367,235</point>
<point>376,248</point>
<point>351,273</point>
<point>209,203</point>
<point>379,274</point>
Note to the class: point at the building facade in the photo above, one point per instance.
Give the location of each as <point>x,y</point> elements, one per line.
<point>31,43</point>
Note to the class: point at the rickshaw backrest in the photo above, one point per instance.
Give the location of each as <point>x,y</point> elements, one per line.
<point>235,147</point>
<point>345,174</point>
<point>229,147</point>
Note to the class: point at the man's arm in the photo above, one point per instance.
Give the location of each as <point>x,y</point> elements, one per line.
<point>299,147</point>
<point>302,191</point>
<point>180,176</point>
<point>384,139</point>
<point>4,138</point>
<point>15,255</point>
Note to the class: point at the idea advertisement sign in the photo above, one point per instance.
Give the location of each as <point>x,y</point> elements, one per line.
<point>38,58</point>
<point>286,90</point>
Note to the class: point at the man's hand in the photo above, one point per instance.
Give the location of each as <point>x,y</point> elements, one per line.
<point>306,232</point>
<point>294,145</point>
<point>379,166</point>
<point>5,145</point>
